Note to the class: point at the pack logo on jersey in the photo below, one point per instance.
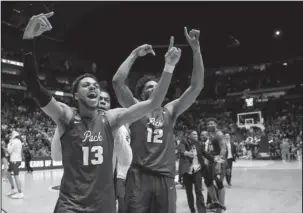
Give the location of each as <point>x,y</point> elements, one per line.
<point>158,123</point>
<point>92,138</point>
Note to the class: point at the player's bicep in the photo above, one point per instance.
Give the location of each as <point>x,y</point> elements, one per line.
<point>124,95</point>
<point>180,105</point>
<point>57,111</point>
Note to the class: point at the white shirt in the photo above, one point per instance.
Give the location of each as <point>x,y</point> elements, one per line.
<point>14,148</point>
<point>195,166</point>
<point>229,153</point>
<point>207,144</point>
<point>123,155</point>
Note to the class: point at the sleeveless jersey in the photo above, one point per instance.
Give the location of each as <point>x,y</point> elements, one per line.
<point>152,143</point>
<point>87,184</point>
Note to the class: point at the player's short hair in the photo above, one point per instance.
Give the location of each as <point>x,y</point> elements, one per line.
<point>141,83</point>
<point>212,119</point>
<point>78,79</point>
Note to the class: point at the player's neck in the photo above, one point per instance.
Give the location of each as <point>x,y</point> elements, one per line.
<point>85,112</point>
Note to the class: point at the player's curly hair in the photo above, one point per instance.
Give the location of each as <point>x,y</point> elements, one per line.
<point>78,79</point>
<point>141,83</point>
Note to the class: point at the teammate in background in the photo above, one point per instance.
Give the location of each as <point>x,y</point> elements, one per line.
<point>150,185</point>
<point>14,149</point>
<point>218,150</point>
<point>86,135</point>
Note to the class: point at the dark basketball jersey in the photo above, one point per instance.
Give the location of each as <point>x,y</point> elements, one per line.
<point>152,143</point>
<point>87,184</point>
<point>215,143</point>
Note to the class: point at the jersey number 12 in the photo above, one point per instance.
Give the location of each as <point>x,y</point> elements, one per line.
<point>154,136</point>
<point>97,151</point>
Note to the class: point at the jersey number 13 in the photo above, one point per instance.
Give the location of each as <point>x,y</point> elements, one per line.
<point>97,155</point>
<point>154,136</point>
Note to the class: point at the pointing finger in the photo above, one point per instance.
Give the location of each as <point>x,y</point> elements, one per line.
<point>50,14</point>
<point>171,42</point>
<point>186,33</point>
<point>152,51</point>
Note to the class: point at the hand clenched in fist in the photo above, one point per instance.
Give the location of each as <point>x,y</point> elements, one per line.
<point>37,25</point>
<point>173,54</point>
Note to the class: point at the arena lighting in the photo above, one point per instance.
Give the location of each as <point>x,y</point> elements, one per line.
<point>16,63</point>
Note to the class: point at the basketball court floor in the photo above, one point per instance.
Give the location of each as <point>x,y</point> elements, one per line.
<point>258,187</point>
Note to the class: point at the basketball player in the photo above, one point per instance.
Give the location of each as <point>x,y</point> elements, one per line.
<point>150,185</point>
<point>122,156</point>
<point>218,149</point>
<point>14,148</point>
<point>87,134</point>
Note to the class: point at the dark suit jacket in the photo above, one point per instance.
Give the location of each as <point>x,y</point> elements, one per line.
<point>185,161</point>
<point>234,152</point>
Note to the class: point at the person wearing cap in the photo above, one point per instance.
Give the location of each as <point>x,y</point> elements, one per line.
<point>14,148</point>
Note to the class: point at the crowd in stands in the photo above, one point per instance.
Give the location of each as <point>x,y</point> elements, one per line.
<point>284,124</point>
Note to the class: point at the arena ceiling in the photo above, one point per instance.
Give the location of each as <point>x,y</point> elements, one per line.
<point>108,31</point>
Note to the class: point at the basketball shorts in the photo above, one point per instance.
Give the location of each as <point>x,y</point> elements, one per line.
<point>13,167</point>
<point>147,192</point>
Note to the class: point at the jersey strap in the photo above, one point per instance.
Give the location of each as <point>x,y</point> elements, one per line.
<point>69,125</point>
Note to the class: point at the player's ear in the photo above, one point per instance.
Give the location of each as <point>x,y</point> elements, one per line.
<point>76,96</point>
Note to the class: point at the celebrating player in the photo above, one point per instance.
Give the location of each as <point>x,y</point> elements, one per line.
<point>150,185</point>
<point>86,134</point>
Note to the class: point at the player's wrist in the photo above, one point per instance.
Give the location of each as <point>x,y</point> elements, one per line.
<point>196,51</point>
<point>169,68</point>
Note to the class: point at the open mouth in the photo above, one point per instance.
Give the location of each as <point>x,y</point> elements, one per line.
<point>92,96</point>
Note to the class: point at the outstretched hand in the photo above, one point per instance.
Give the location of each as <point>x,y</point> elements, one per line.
<point>193,38</point>
<point>37,25</point>
<point>173,54</point>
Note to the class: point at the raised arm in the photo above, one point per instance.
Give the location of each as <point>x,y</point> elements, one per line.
<point>178,106</point>
<point>124,95</point>
<point>36,26</point>
<point>139,110</point>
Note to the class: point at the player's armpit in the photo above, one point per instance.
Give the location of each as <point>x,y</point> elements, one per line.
<point>180,105</point>
<point>60,113</point>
